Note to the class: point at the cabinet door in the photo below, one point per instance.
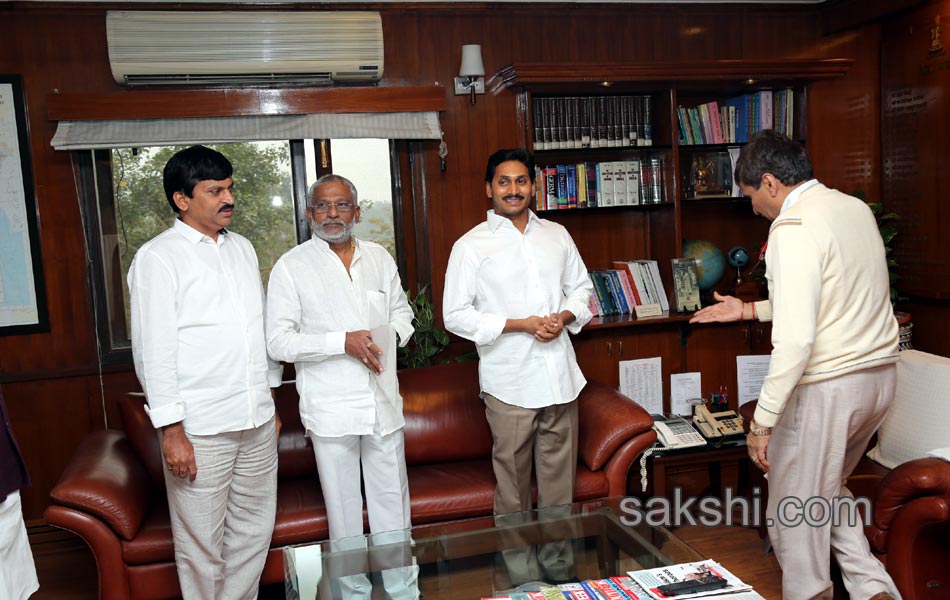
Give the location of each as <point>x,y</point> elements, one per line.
<point>761,337</point>
<point>594,352</point>
<point>712,350</point>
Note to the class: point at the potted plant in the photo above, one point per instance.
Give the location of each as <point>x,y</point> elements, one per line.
<point>887,225</point>
<point>428,340</point>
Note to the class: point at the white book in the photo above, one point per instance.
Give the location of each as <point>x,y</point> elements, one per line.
<point>605,175</point>
<point>658,284</point>
<point>633,182</point>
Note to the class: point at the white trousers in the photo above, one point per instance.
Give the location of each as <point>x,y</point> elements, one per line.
<point>381,461</point>
<point>222,521</point>
<point>17,572</point>
<point>817,443</point>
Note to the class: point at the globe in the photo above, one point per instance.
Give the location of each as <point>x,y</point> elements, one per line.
<point>710,262</point>
<point>738,257</point>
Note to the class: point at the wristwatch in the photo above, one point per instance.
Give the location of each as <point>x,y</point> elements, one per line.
<point>758,431</point>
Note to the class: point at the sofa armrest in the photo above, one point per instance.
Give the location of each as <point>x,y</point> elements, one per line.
<point>923,478</point>
<point>105,479</point>
<point>608,420</point>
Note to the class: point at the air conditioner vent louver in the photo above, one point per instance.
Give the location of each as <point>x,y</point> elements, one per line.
<point>180,48</point>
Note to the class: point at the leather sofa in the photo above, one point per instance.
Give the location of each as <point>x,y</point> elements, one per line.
<point>909,529</point>
<point>112,492</point>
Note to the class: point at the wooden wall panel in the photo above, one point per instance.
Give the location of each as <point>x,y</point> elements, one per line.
<point>51,380</point>
<point>916,145</point>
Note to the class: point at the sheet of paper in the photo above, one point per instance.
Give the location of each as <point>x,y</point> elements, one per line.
<point>683,387</point>
<point>642,381</point>
<point>751,371</point>
<point>384,337</point>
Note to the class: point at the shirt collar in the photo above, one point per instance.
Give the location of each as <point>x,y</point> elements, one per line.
<point>193,235</point>
<point>795,194</point>
<point>495,220</point>
<point>324,245</point>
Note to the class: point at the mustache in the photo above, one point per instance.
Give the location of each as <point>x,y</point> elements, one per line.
<point>226,207</point>
<point>514,196</point>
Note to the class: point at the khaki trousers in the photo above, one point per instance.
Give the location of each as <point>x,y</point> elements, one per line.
<point>817,443</point>
<point>222,521</point>
<point>547,439</point>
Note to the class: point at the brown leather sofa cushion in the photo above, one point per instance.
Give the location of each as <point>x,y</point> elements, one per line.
<point>602,414</point>
<point>445,418</point>
<point>106,479</point>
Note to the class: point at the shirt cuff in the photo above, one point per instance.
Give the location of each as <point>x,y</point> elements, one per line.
<point>764,417</point>
<point>403,333</point>
<point>274,376</point>
<point>166,415</point>
<point>763,310</point>
<point>491,328</point>
<point>336,342</point>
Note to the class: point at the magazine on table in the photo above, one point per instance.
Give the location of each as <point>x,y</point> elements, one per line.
<point>652,579</point>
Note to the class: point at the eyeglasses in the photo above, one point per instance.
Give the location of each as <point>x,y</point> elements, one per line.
<point>324,207</point>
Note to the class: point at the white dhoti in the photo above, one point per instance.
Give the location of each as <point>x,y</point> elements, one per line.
<point>17,571</point>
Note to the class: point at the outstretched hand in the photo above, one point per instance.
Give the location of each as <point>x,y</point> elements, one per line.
<point>726,310</point>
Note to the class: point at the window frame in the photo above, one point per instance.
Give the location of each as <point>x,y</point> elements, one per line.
<point>93,173</point>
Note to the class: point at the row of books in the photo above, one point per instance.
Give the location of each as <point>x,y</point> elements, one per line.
<point>736,119</point>
<point>629,284</point>
<point>591,185</point>
<point>570,122</point>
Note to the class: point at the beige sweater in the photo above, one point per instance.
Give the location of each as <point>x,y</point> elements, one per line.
<point>829,296</point>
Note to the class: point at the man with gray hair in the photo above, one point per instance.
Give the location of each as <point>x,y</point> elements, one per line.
<point>335,308</point>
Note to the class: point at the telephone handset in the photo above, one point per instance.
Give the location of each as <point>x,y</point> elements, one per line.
<point>714,425</point>
<point>676,432</point>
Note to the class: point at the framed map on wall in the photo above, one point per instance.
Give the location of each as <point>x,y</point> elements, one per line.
<point>22,289</point>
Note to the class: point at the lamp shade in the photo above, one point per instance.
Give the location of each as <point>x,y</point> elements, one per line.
<point>472,61</point>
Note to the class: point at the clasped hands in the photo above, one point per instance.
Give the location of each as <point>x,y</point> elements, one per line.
<point>360,345</point>
<point>545,328</point>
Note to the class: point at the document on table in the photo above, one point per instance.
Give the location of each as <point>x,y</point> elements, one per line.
<point>683,388</point>
<point>751,371</point>
<point>642,381</point>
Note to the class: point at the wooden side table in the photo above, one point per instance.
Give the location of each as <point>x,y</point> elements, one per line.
<point>723,463</point>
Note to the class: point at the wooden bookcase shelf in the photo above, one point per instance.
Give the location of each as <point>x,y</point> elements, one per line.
<point>656,231</point>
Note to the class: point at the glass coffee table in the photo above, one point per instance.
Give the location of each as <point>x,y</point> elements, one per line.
<point>484,557</point>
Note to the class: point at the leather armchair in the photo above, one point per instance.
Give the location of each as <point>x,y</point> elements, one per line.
<point>910,531</point>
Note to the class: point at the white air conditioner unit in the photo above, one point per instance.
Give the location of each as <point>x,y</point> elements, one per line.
<point>244,47</point>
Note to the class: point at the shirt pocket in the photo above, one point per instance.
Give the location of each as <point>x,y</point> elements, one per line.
<point>377,308</point>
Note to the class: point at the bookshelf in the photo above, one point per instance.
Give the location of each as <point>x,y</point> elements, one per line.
<point>689,206</point>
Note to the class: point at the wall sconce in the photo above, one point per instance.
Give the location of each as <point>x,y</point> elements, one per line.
<point>471,78</point>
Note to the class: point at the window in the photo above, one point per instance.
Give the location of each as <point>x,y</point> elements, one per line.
<point>365,162</point>
<point>125,206</point>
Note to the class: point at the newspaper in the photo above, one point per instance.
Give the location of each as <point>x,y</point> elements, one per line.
<point>651,579</point>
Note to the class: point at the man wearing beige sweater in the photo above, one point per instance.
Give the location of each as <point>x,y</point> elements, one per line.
<point>832,373</point>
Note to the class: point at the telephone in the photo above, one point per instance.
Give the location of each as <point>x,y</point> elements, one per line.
<point>676,432</point>
<point>714,425</point>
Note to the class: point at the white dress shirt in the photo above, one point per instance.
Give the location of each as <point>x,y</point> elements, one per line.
<point>497,273</point>
<point>198,332</point>
<point>312,302</point>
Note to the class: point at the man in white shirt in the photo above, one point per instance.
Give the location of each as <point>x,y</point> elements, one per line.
<point>197,308</point>
<point>335,308</point>
<point>832,374</point>
<point>513,284</point>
